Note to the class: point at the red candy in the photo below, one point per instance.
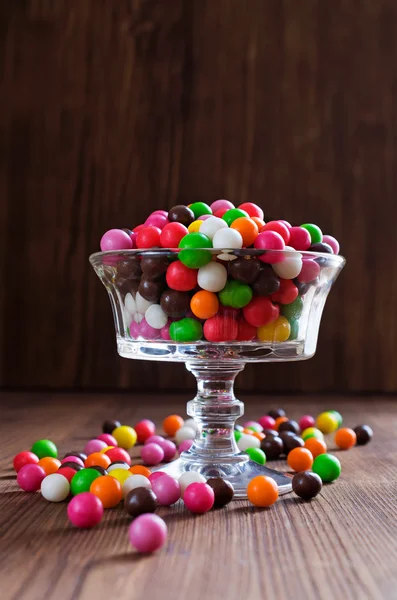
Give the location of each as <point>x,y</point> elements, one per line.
<point>116,454</point>
<point>252,209</point>
<point>67,472</point>
<point>144,430</point>
<point>220,329</point>
<point>148,237</point>
<point>24,458</point>
<point>246,332</point>
<point>181,278</point>
<point>278,227</point>
<point>299,238</point>
<point>260,311</point>
<point>287,292</point>
<point>172,234</point>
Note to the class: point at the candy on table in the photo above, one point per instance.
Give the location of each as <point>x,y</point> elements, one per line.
<point>167,490</point>
<point>98,458</point>
<point>24,458</point>
<point>172,423</point>
<point>345,438</point>
<point>364,434</point>
<point>154,439</point>
<point>327,467</point>
<point>273,447</point>
<point>316,446</point>
<point>140,501</point>
<point>44,448</point>
<point>108,439</point>
<point>125,436</point>
<point>49,464</point>
<point>223,491</point>
<point>100,469</point>
<point>75,454</point>
<point>153,476</point>
<point>120,474</point>
<point>289,425</point>
<point>148,533</point>
<point>189,477</point>
<point>306,485</point>
<point>254,425</point>
<point>85,510</point>
<point>108,490</point>
<point>267,422</point>
<point>185,433</point>
<point>276,412</point>
<point>312,432</point>
<point>76,466</point>
<point>94,446</point>
<point>185,445</point>
<point>135,481</point>
<point>144,430</point>
<point>326,422</point>
<point>306,421</point>
<point>290,441</point>
<point>67,472</point>
<point>337,416</point>
<point>247,441</point>
<point>118,454</point>
<point>30,476</point>
<point>278,422</point>
<point>119,464</point>
<point>82,480</point>
<point>169,449</point>
<point>262,491</point>
<point>257,455</point>
<point>140,470</point>
<point>198,497</point>
<point>300,459</point>
<point>152,454</point>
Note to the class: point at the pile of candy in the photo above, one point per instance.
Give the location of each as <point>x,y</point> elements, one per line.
<point>220,275</point>
<point>101,476</point>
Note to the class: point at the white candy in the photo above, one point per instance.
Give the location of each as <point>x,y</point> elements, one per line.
<point>141,304</point>
<point>210,226</point>
<point>117,466</point>
<point>138,317</point>
<point>135,481</point>
<point>190,423</point>
<point>248,441</point>
<point>227,238</point>
<point>188,478</point>
<point>130,304</point>
<point>290,267</point>
<point>127,317</point>
<point>156,317</point>
<point>212,277</point>
<point>185,433</point>
<point>55,487</point>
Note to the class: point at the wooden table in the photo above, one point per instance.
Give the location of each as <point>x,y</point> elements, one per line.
<point>341,545</point>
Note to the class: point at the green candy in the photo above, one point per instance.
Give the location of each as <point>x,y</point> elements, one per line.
<point>81,481</point>
<point>257,455</point>
<point>235,294</point>
<point>232,214</point>
<point>237,435</point>
<point>337,416</point>
<point>294,324</point>
<point>44,448</point>
<point>200,208</point>
<point>195,240</point>
<point>316,234</point>
<point>327,467</point>
<point>312,432</point>
<point>186,330</point>
<point>191,255</point>
<point>294,310</point>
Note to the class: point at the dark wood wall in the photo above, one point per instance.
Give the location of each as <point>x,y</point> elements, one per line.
<point>113,108</point>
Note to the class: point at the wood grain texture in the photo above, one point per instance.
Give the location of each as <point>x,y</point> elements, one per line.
<point>113,108</point>
<point>342,544</point>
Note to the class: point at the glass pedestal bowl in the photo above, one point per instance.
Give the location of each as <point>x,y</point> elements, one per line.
<point>136,279</point>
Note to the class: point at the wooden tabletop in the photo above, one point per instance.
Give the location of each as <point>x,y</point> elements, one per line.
<point>342,544</point>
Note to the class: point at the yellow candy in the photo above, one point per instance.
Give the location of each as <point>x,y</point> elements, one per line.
<point>120,474</point>
<point>311,432</point>
<point>326,422</point>
<point>105,449</point>
<point>195,226</point>
<point>278,331</point>
<point>125,436</point>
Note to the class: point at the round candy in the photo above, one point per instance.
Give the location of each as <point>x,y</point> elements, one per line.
<point>248,441</point>
<point>278,331</point>
<point>220,329</point>
<point>154,476</point>
<point>286,293</point>
<point>167,490</point>
<point>270,240</point>
<point>126,436</point>
<point>291,441</point>
<point>82,480</point>
<point>140,470</point>
<point>310,271</point>
<point>204,305</point>
<point>85,510</point>
<point>44,448</point>
<point>172,234</point>
<point>267,422</point>
<point>120,474</point>
<point>293,310</point>
<point>97,458</point>
<point>257,455</point>
<point>326,422</point>
<point>252,209</point>
<point>181,214</point>
<point>315,232</point>
<point>289,425</point>
<point>300,459</point>
<point>312,432</point>
<point>118,454</point>
<point>168,448</point>
<point>331,241</point>
<point>246,269</point>
<point>262,491</point>
<point>152,268</point>
<point>198,497</point>
<point>267,282</point>
<point>227,238</point>
<point>108,439</point>
<point>289,265</point>
<point>235,294</point>
<point>80,455</point>
<point>364,434</point>
<point>299,238</point>
<point>221,204</point>
<point>279,227</point>
<point>306,421</point>
<point>172,423</point>
<point>108,490</point>
<point>156,317</point>
<point>280,420</point>
<point>144,430</point>
<point>223,491</point>
<point>148,533</point>
<point>135,481</point>
<point>212,277</point>
<point>247,228</point>
<point>118,464</point>
<point>186,330</point>
<point>29,477</point>
<point>185,445</point>
<point>148,237</point>
<point>181,278</point>
<point>115,239</point>
<point>327,467</point>
<point>321,247</point>
<point>140,501</point>
<point>154,439</point>
<point>260,311</point>
<point>345,438</point>
<point>273,447</point>
<point>49,464</point>
<point>76,466</point>
<point>210,227</point>
<point>315,446</point>
<point>67,472</point>
<point>245,332</point>
<point>306,485</point>
<point>254,425</point>
<point>175,304</point>
<point>189,477</point>
<point>195,226</point>
<point>100,469</point>
<point>200,208</point>
<point>94,446</point>
<point>157,220</point>
<point>232,214</point>
<point>150,290</point>
<point>337,416</point>
<point>275,413</point>
<point>24,458</point>
<point>185,433</point>
<point>152,454</point>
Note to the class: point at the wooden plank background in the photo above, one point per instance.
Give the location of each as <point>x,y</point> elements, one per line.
<point>113,108</point>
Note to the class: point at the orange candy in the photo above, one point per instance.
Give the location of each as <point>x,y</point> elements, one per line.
<point>259,435</point>
<point>204,305</point>
<point>172,423</point>
<point>260,222</point>
<point>247,228</point>
<point>97,459</point>
<point>345,438</point>
<point>278,422</point>
<point>49,465</point>
<point>140,470</point>
<point>316,446</point>
<point>262,491</point>
<point>300,459</point>
<point>108,490</point>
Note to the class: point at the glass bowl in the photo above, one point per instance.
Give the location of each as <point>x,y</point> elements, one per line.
<point>153,322</point>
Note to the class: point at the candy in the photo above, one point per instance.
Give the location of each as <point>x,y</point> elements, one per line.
<point>140,470</point>
<point>184,433</point>
<point>280,420</point>
<point>289,425</point>
<point>79,455</point>
<point>126,436</point>
<point>293,310</point>
<point>260,311</point>
<point>210,227</point>
<point>181,278</point>
<point>148,237</point>
<point>253,210</point>
<point>310,271</point>
<point>195,226</point>
<point>245,332</point>
<point>172,234</point>
<point>279,227</point>
<point>299,238</point>
<point>85,510</point>
<point>364,434</point>
<point>300,459</point>
<point>254,425</point>
<point>118,454</point>
<point>345,438</point>
<point>82,480</point>
<point>108,439</point>
<point>321,247</point>
<point>94,446</point>
<point>326,422</point>
<point>232,214</point>
<point>248,441</point>
<point>168,448</point>
<point>150,290</point>
<point>198,497</point>
<point>191,256</point>
<point>331,241</point>
<point>172,423</point>
<point>152,454</point>
<point>262,491</point>
<point>154,439</point>
<point>212,277</point>
<point>24,458</point>
<point>120,474</point>
<point>175,304</point>
<point>337,416</point>
<point>44,448</point>
<point>220,329</point>
<point>306,485</point>
<point>181,214</point>
<point>235,294</point>
<point>98,468</point>
<point>144,430</point>
<point>97,458</point>
<point>289,266</point>
<point>278,331</point>
<point>275,413</point>
<point>186,330</point>
<point>157,220</point>
<point>119,464</point>
<point>67,472</point>
<point>316,446</point>
<point>185,446</point>
<point>135,481</point>
<point>223,491</point>
<point>30,476</point>
<point>108,490</point>
<point>246,270</point>
<point>315,232</point>
<point>312,432</point>
<point>167,490</point>
<point>115,239</point>
<point>200,208</point>
<point>204,305</point>
<point>148,533</point>
<point>49,464</point>
<point>270,240</point>
<point>257,455</point>
<point>76,466</point>
<point>306,421</point>
<point>327,467</point>
<point>290,441</point>
<point>189,477</point>
<point>286,293</point>
<point>267,422</point>
<point>140,501</point>
<point>153,267</point>
<point>221,205</point>
<point>272,447</point>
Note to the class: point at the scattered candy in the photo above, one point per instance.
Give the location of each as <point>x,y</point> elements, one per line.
<point>117,454</point>
<point>300,459</point>
<point>312,432</point>
<point>188,478</point>
<point>223,491</point>
<point>145,429</point>
<point>288,425</point>
<point>345,438</point>
<point>140,501</point>
<point>291,441</point>
<point>97,459</point>
<point>198,497</point>
<point>306,421</point>
<point>364,434</point>
<point>24,458</point>
<point>108,439</point>
<point>44,448</point>
<point>119,464</point>
<point>262,491</point>
<point>49,464</point>
<point>315,446</point>
<point>152,454</point>
<point>247,441</point>
<point>273,447</point>
<point>108,490</point>
<point>135,481</point>
<point>257,455</point>
<point>120,474</point>
<point>326,422</point>
<point>140,470</point>
<point>94,446</point>
<point>82,480</point>
<point>171,424</point>
<point>85,510</point>
<point>55,487</point>
<point>306,485</point>
<point>184,433</point>
<point>167,490</point>
<point>267,422</point>
<point>110,425</point>
<point>30,476</point>
<point>185,446</point>
<point>148,533</point>
<point>126,436</point>
<point>327,467</point>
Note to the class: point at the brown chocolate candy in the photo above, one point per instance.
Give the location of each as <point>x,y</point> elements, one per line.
<point>154,266</point>
<point>98,468</point>
<point>175,304</point>
<point>275,413</point>
<point>151,289</point>
<point>267,282</point>
<point>73,465</point>
<point>364,434</point>
<point>272,447</point>
<point>181,214</point>
<point>291,441</point>
<point>79,455</point>
<point>245,270</point>
<point>306,484</point>
<point>130,268</point>
<point>140,501</point>
<point>110,425</point>
<point>223,490</point>
<point>289,426</point>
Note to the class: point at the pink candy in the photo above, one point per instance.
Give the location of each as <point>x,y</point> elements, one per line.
<point>185,445</point>
<point>254,424</point>
<point>267,422</point>
<point>74,459</point>
<point>134,329</point>
<point>299,238</point>
<point>270,240</point>
<point>85,510</point>
<point>221,205</point>
<point>165,332</point>
<point>306,421</point>
<point>167,490</point>
<point>154,476</point>
<point>148,332</point>
<point>108,439</point>
<point>310,270</point>
<point>199,497</point>
<point>168,448</point>
<point>116,239</point>
<point>29,477</point>
<point>331,241</point>
<point>147,533</point>
<point>157,220</point>
<point>94,446</point>
<point>154,439</point>
<point>152,454</point>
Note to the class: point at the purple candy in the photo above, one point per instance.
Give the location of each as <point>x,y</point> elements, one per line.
<point>108,439</point>
<point>154,439</point>
<point>148,332</point>
<point>185,445</point>
<point>94,446</point>
<point>148,533</point>
<point>116,239</point>
<point>167,490</point>
<point>152,454</point>
<point>168,448</point>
